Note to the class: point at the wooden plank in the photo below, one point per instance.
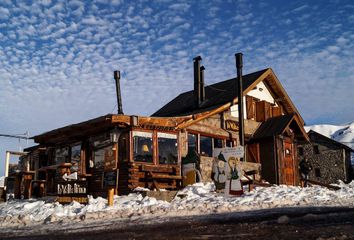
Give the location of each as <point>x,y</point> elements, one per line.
<point>165,176</point>
<point>160,168</point>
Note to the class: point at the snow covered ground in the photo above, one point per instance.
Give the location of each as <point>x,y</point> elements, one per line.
<point>197,199</point>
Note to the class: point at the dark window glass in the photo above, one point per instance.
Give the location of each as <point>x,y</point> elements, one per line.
<point>75,157</point>
<point>192,142</point>
<point>228,143</point>
<point>217,143</point>
<point>317,172</point>
<point>206,147</point>
<point>142,147</point>
<point>167,144</point>
<point>100,155</point>
<point>123,147</point>
<point>316,150</point>
<point>62,155</point>
<point>301,151</point>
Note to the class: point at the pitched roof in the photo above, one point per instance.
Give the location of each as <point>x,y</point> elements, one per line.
<point>273,126</point>
<point>327,139</point>
<point>277,125</point>
<point>215,95</point>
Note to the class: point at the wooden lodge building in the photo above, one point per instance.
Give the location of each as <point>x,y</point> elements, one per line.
<point>125,152</point>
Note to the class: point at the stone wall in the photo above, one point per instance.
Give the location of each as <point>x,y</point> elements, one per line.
<point>329,163</point>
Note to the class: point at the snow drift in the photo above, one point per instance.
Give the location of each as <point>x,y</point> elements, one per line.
<point>197,199</point>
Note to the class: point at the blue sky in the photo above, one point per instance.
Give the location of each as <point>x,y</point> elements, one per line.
<point>57,57</point>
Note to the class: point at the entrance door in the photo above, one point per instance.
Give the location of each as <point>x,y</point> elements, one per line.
<point>288,163</point>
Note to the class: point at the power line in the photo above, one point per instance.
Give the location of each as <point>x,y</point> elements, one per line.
<point>19,136</point>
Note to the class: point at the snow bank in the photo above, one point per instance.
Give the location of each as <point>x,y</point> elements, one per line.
<point>194,200</point>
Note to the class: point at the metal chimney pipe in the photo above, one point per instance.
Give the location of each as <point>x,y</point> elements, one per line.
<point>239,66</point>
<point>197,95</point>
<point>119,98</point>
<point>202,83</point>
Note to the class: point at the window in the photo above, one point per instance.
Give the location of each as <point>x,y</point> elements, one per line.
<point>142,147</point>
<point>62,155</point>
<point>167,147</point>
<point>317,172</point>
<point>192,143</point>
<point>218,143</point>
<point>102,147</point>
<point>75,157</point>
<point>124,147</point>
<point>229,143</point>
<point>316,150</point>
<point>101,154</point>
<point>206,146</point>
<point>301,151</point>
<point>287,151</point>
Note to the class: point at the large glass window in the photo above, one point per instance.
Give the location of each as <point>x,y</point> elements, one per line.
<point>75,157</point>
<point>167,144</point>
<point>101,154</point>
<point>229,143</point>
<point>206,146</point>
<point>62,155</point>
<point>218,143</point>
<point>192,143</point>
<point>102,146</point>
<point>142,142</point>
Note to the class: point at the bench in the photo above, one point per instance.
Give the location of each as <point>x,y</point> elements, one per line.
<point>160,172</point>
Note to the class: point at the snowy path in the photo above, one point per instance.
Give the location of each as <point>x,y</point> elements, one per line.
<point>280,223</point>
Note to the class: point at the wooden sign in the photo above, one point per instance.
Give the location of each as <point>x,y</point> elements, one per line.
<point>69,191</point>
<point>110,179</point>
<point>63,200</point>
<point>110,162</point>
<point>232,125</point>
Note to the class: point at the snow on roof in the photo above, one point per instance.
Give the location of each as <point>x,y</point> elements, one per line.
<point>197,199</point>
<point>340,133</point>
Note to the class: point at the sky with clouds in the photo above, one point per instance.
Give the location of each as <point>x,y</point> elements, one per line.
<point>57,57</point>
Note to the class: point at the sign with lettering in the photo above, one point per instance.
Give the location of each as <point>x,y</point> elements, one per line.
<point>110,179</point>
<point>232,125</point>
<point>72,188</point>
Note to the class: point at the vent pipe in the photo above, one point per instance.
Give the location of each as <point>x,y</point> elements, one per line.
<point>197,95</point>
<point>239,66</point>
<point>202,83</point>
<point>119,98</point>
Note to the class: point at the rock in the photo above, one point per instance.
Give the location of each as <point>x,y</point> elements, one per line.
<point>50,219</point>
<point>283,219</point>
<point>83,217</point>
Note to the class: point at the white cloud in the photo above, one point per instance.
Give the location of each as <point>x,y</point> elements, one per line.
<point>4,13</point>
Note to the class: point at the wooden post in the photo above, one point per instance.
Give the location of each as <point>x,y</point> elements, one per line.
<point>7,161</point>
<point>110,196</point>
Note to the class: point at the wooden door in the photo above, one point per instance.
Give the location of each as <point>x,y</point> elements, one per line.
<point>288,171</point>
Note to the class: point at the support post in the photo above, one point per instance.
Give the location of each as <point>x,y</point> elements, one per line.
<point>7,162</point>
<point>239,66</point>
<point>110,196</point>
